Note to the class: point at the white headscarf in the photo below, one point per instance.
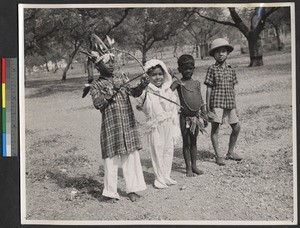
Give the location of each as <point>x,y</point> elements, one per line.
<point>153,109</point>
<point>167,77</point>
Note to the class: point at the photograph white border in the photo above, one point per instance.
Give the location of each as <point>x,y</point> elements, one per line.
<point>24,221</point>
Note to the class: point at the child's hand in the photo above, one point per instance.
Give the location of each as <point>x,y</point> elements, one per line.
<point>210,114</point>
<point>109,93</point>
<point>139,107</point>
<point>118,84</point>
<point>204,117</point>
<point>173,74</point>
<point>145,80</point>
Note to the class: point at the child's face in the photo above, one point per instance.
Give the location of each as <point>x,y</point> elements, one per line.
<point>106,68</point>
<point>220,54</point>
<point>156,76</point>
<point>187,70</point>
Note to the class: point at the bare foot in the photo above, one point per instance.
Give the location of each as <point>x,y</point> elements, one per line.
<point>197,171</point>
<point>133,196</point>
<point>189,173</point>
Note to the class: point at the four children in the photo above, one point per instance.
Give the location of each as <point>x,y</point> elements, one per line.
<point>119,137</point>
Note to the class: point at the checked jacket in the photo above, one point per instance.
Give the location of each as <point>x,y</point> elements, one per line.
<point>222,82</point>
<point>119,134</point>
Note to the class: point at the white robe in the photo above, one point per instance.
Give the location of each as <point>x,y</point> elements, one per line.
<point>162,125</point>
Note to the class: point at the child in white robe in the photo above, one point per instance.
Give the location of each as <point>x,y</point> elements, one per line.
<point>162,121</point>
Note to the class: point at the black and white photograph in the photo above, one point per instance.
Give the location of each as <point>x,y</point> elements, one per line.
<point>157,114</point>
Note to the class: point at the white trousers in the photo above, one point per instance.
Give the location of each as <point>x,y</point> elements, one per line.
<point>132,172</point>
<point>161,145</point>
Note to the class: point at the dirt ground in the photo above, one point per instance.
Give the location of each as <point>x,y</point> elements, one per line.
<point>64,173</point>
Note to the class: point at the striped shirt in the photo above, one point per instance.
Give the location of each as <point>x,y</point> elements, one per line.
<point>119,134</point>
<point>222,80</point>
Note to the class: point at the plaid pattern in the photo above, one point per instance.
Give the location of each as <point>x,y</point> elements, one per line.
<point>222,81</point>
<point>119,134</point>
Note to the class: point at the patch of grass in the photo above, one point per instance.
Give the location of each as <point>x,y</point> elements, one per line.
<point>270,86</point>
<point>253,111</point>
<point>72,161</point>
<point>278,123</point>
<point>35,176</point>
<point>258,133</point>
<point>50,141</point>
<point>283,157</point>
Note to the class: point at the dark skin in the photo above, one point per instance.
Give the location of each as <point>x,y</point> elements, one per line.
<point>220,56</point>
<point>106,69</point>
<point>189,147</point>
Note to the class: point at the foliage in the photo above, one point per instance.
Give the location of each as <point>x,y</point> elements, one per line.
<point>54,34</point>
<point>250,24</point>
<point>146,27</point>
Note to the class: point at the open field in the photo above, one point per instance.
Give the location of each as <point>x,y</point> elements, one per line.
<point>63,155</point>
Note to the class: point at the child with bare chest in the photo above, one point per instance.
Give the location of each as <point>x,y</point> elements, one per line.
<point>193,108</point>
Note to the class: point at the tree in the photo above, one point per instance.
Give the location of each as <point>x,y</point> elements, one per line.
<point>147,26</point>
<point>46,29</point>
<point>202,30</point>
<point>278,20</point>
<point>252,31</point>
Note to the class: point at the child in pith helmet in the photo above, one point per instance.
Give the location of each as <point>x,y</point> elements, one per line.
<point>220,98</point>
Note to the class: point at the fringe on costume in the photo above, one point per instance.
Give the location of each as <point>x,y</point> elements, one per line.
<point>194,124</point>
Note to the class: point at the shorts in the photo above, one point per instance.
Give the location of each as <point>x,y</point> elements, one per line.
<point>222,116</point>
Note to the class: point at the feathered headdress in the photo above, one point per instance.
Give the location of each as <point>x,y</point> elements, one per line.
<point>96,47</point>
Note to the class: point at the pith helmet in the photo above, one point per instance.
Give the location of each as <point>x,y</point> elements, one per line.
<point>220,42</point>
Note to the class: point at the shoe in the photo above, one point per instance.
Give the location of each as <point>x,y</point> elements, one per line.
<point>220,161</point>
<point>233,156</point>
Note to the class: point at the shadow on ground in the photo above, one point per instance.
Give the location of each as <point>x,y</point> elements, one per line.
<point>203,155</point>
<point>82,183</point>
<point>49,87</point>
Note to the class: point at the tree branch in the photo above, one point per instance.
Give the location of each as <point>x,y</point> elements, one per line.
<point>238,21</point>
<point>261,24</point>
<point>272,10</point>
<point>117,23</point>
<point>217,21</point>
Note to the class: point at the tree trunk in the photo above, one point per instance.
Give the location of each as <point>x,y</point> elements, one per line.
<point>175,50</point>
<point>85,66</point>
<point>197,51</point>
<point>279,43</point>
<point>193,49</point>
<point>47,67</point>
<point>90,70</point>
<point>64,76</point>
<point>71,57</point>
<point>56,68</point>
<point>255,50</point>
<point>144,56</point>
